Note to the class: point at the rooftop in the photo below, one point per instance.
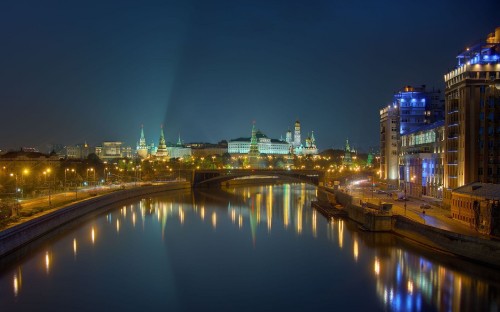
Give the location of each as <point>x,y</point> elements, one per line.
<point>485,190</point>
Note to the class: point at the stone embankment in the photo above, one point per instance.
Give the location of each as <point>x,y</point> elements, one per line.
<point>480,249</point>
<point>26,232</point>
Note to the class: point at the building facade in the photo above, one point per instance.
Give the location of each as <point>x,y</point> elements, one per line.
<point>411,109</point>
<point>472,122</point>
<point>477,205</point>
<point>422,157</point>
<point>112,150</point>
<point>389,142</point>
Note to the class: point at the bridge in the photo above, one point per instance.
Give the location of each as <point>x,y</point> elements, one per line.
<point>208,178</point>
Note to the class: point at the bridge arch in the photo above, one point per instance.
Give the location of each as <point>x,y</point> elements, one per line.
<point>203,178</point>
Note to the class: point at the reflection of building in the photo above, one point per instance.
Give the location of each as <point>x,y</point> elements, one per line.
<point>422,156</point>
<point>477,204</point>
<point>472,123</point>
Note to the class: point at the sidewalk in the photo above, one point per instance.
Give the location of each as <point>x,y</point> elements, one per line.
<point>434,216</point>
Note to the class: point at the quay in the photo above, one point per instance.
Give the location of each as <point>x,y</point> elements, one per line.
<point>431,230</point>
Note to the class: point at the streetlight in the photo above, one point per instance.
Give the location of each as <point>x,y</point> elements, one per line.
<point>91,170</point>
<point>180,165</point>
<point>46,173</point>
<point>65,172</point>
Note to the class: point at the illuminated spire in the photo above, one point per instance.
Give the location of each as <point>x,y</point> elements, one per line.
<point>162,146</point>
<point>179,142</point>
<point>142,147</point>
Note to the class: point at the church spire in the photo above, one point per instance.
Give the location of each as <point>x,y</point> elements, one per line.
<point>179,142</point>
<point>142,147</point>
<point>162,145</point>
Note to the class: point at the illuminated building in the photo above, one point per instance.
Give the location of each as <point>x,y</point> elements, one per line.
<point>389,134</point>
<point>270,146</point>
<point>263,144</point>
<point>79,151</point>
<point>112,150</point>
<point>162,151</point>
<point>347,159</point>
<point>411,108</point>
<point>422,153</point>
<point>472,98</point>
<point>208,149</point>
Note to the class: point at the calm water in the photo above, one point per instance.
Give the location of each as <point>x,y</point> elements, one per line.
<point>250,248</point>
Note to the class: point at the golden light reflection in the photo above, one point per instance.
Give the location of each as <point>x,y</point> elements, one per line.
<point>341,233</point>
<point>240,221</point>
<point>410,287</point>
<point>17,281</point>
<point>92,234</point>
<point>214,220</point>
<point>376,266</point>
<point>314,223</point>
<point>133,219</point>
<point>117,226</point>
<point>233,215</point>
<point>74,246</point>
<point>47,262</point>
<point>258,200</point>
<point>298,220</point>
<point>269,208</point>
<point>355,249</point>
<point>202,213</point>
<point>181,215</point>
<point>286,205</point>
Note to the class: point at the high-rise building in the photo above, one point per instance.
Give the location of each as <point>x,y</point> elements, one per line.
<point>472,122</point>
<point>389,136</point>
<point>411,109</point>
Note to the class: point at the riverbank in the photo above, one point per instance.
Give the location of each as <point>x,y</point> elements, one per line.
<point>478,248</point>
<point>27,231</point>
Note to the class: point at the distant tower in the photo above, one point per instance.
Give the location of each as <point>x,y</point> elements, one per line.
<point>179,141</point>
<point>347,161</point>
<point>296,136</point>
<point>289,137</point>
<point>162,145</point>
<point>313,140</point>
<point>142,147</point>
<point>253,153</point>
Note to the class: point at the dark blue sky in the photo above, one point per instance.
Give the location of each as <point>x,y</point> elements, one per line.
<point>75,71</point>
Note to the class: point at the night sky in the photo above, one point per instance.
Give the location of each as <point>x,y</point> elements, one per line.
<point>76,71</point>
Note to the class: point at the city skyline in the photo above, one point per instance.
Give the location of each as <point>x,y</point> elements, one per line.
<point>91,73</point>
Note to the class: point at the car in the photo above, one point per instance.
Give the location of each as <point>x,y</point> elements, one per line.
<point>425,206</point>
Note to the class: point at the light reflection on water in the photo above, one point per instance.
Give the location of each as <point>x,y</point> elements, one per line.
<point>281,225</point>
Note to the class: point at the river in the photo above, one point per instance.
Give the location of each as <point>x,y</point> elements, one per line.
<point>254,248</point>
